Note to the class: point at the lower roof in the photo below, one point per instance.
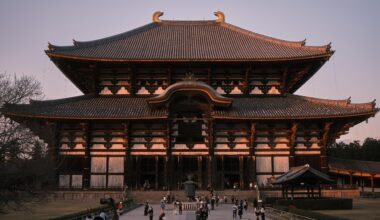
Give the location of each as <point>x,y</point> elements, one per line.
<point>96,107</point>
<point>360,166</point>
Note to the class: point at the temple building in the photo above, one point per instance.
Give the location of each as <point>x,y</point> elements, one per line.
<point>173,98</point>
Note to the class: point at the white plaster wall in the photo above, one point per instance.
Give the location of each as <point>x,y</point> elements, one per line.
<point>263,164</point>
<point>281,164</point>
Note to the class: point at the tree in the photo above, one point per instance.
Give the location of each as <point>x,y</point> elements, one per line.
<point>16,140</point>
<point>21,152</point>
<point>369,150</point>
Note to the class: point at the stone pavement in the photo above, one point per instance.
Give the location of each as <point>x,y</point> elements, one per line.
<point>223,212</point>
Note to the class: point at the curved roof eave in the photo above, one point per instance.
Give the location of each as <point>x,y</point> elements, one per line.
<point>62,56</point>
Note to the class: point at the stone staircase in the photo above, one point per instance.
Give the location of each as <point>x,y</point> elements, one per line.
<point>156,196</point>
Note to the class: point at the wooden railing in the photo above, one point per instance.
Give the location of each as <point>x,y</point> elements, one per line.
<point>277,214</point>
<point>190,206</point>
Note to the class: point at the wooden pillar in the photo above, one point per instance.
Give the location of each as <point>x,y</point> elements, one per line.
<point>209,171</point>
<point>292,144</point>
<point>211,158</point>
<point>283,191</point>
<point>241,172</point>
<point>284,81</point>
<point>252,158</point>
<point>87,157</point>
<point>312,191</point>
<point>200,176</point>
<point>246,81</point>
<point>372,184</point>
<point>350,179</point>
<point>138,172</point>
<point>362,183</point>
<point>223,174</point>
<point>168,160</point>
<point>166,173</point>
<point>156,176</point>
<point>253,170</point>
<point>252,139</point>
<point>326,132</point>
<point>319,191</point>
<point>180,171</point>
<point>292,192</point>
<point>128,171</point>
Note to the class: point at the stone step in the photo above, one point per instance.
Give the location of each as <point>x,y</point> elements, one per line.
<point>156,196</point>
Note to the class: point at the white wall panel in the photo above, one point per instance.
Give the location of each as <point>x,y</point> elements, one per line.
<point>263,164</point>
<point>116,165</point>
<point>98,181</point>
<point>98,164</point>
<point>281,164</point>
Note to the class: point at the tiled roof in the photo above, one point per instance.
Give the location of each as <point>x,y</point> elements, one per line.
<point>292,106</point>
<point>189,40</point>
<point>371,167</point>
<point>295,174</point>
<point>123,107</point>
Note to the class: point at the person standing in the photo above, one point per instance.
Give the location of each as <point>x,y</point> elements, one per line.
<point>150,213</point>
<point>146,208</point>
<point>245,205</point>
<point>234,210</point>
<point>240,211</point>
<point>262,213</point>
<point>257,212</point>
<point>180,207</point>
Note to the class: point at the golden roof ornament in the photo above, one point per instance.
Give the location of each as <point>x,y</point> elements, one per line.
<point>220,16</point>
<point>156,16</point>
<point>189,77</point>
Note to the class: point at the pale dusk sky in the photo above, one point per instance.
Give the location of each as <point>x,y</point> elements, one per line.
<point>353,27</point>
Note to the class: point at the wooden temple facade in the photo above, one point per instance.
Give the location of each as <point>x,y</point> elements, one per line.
<point>173,98</point>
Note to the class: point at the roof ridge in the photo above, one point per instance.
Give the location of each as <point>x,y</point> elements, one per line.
<point>299,44</point>
<point>83,44</point>
<point>339,102</point>
<point>62,100</point>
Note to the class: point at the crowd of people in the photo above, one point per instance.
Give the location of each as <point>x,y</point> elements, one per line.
<point>205,205</point>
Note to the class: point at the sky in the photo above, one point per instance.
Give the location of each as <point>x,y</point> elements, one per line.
<point>353,27</point>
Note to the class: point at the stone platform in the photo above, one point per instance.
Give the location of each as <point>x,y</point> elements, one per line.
<point>222,212</point>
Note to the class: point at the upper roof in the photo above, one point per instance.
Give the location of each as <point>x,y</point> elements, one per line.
<point>164,40</point>
<point>361,166</point>
<point>124,107</point>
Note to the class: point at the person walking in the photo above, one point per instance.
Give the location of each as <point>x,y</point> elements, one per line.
<point>198,214</point>
<point>234,210</point>
<point>162,216</point>
<point>204,213</point>
<point>150,213</point>
<point>162,205</point>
